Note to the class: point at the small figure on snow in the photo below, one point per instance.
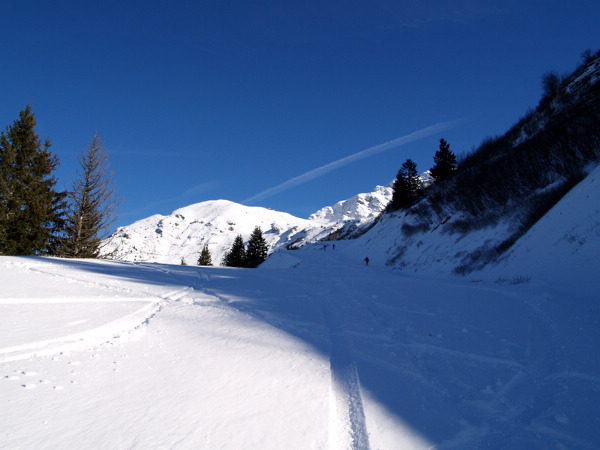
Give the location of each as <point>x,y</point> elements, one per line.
<point>367,261</point>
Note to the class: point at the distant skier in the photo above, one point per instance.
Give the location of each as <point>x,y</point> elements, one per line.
<point>367,261</point>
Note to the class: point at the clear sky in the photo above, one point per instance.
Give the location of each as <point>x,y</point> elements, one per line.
<point>286,105</point>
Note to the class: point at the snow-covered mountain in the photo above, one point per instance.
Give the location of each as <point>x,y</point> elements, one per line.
<point>183,233</point>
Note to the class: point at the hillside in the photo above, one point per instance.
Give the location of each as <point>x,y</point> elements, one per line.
<point>562,245</point>
<point>502,189</point>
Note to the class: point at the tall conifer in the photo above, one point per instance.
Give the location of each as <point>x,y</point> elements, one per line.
<point>31,210</point>
<point>205,258</point>
<point>236,256</point>
<point>444,162</point>
<point>257,249</point>
<point>92,204</point>
<point>407,186</point>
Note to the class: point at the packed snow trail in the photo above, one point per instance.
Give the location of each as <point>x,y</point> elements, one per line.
<point>330,354</point>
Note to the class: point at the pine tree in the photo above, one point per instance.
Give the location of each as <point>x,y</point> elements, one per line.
<point>93,204</point>
<point>205,258</point>
<point>236,256</point>
<point>407,186</point>
<point>444,163</point>
<point>257,249</point>
<point>31,210</point>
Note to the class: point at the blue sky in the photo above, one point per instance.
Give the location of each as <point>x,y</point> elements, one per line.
<point>237,100</point>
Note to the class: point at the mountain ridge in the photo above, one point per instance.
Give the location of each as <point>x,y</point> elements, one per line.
<point>179,236</point>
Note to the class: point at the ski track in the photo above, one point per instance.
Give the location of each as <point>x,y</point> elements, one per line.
<point>347,423</point>
<point>128,324</point>
<point>349,416</point>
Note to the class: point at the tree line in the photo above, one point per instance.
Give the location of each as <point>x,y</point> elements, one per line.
<point>38,219</point>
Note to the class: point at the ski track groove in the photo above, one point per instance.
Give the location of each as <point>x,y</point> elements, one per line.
<point>345,381</point>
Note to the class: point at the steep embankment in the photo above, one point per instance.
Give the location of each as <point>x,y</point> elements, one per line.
<point>502,189</point>
<point>564,242</point>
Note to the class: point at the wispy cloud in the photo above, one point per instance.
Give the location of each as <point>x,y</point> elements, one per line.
<point>320,171</point>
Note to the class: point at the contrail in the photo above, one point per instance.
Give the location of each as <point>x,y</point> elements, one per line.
<point>320,171</point>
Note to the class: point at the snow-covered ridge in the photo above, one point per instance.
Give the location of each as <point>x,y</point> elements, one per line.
<point>216,223</point>
<point>359,209</point>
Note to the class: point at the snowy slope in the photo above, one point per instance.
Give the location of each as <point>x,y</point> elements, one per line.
<point>568,233</point>
<point>440,246</point>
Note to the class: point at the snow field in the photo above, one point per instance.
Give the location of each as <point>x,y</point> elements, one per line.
<point>328,354</point>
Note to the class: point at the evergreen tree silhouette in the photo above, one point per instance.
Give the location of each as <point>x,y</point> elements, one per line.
<point>407,186</point>
<point>444,163</point>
